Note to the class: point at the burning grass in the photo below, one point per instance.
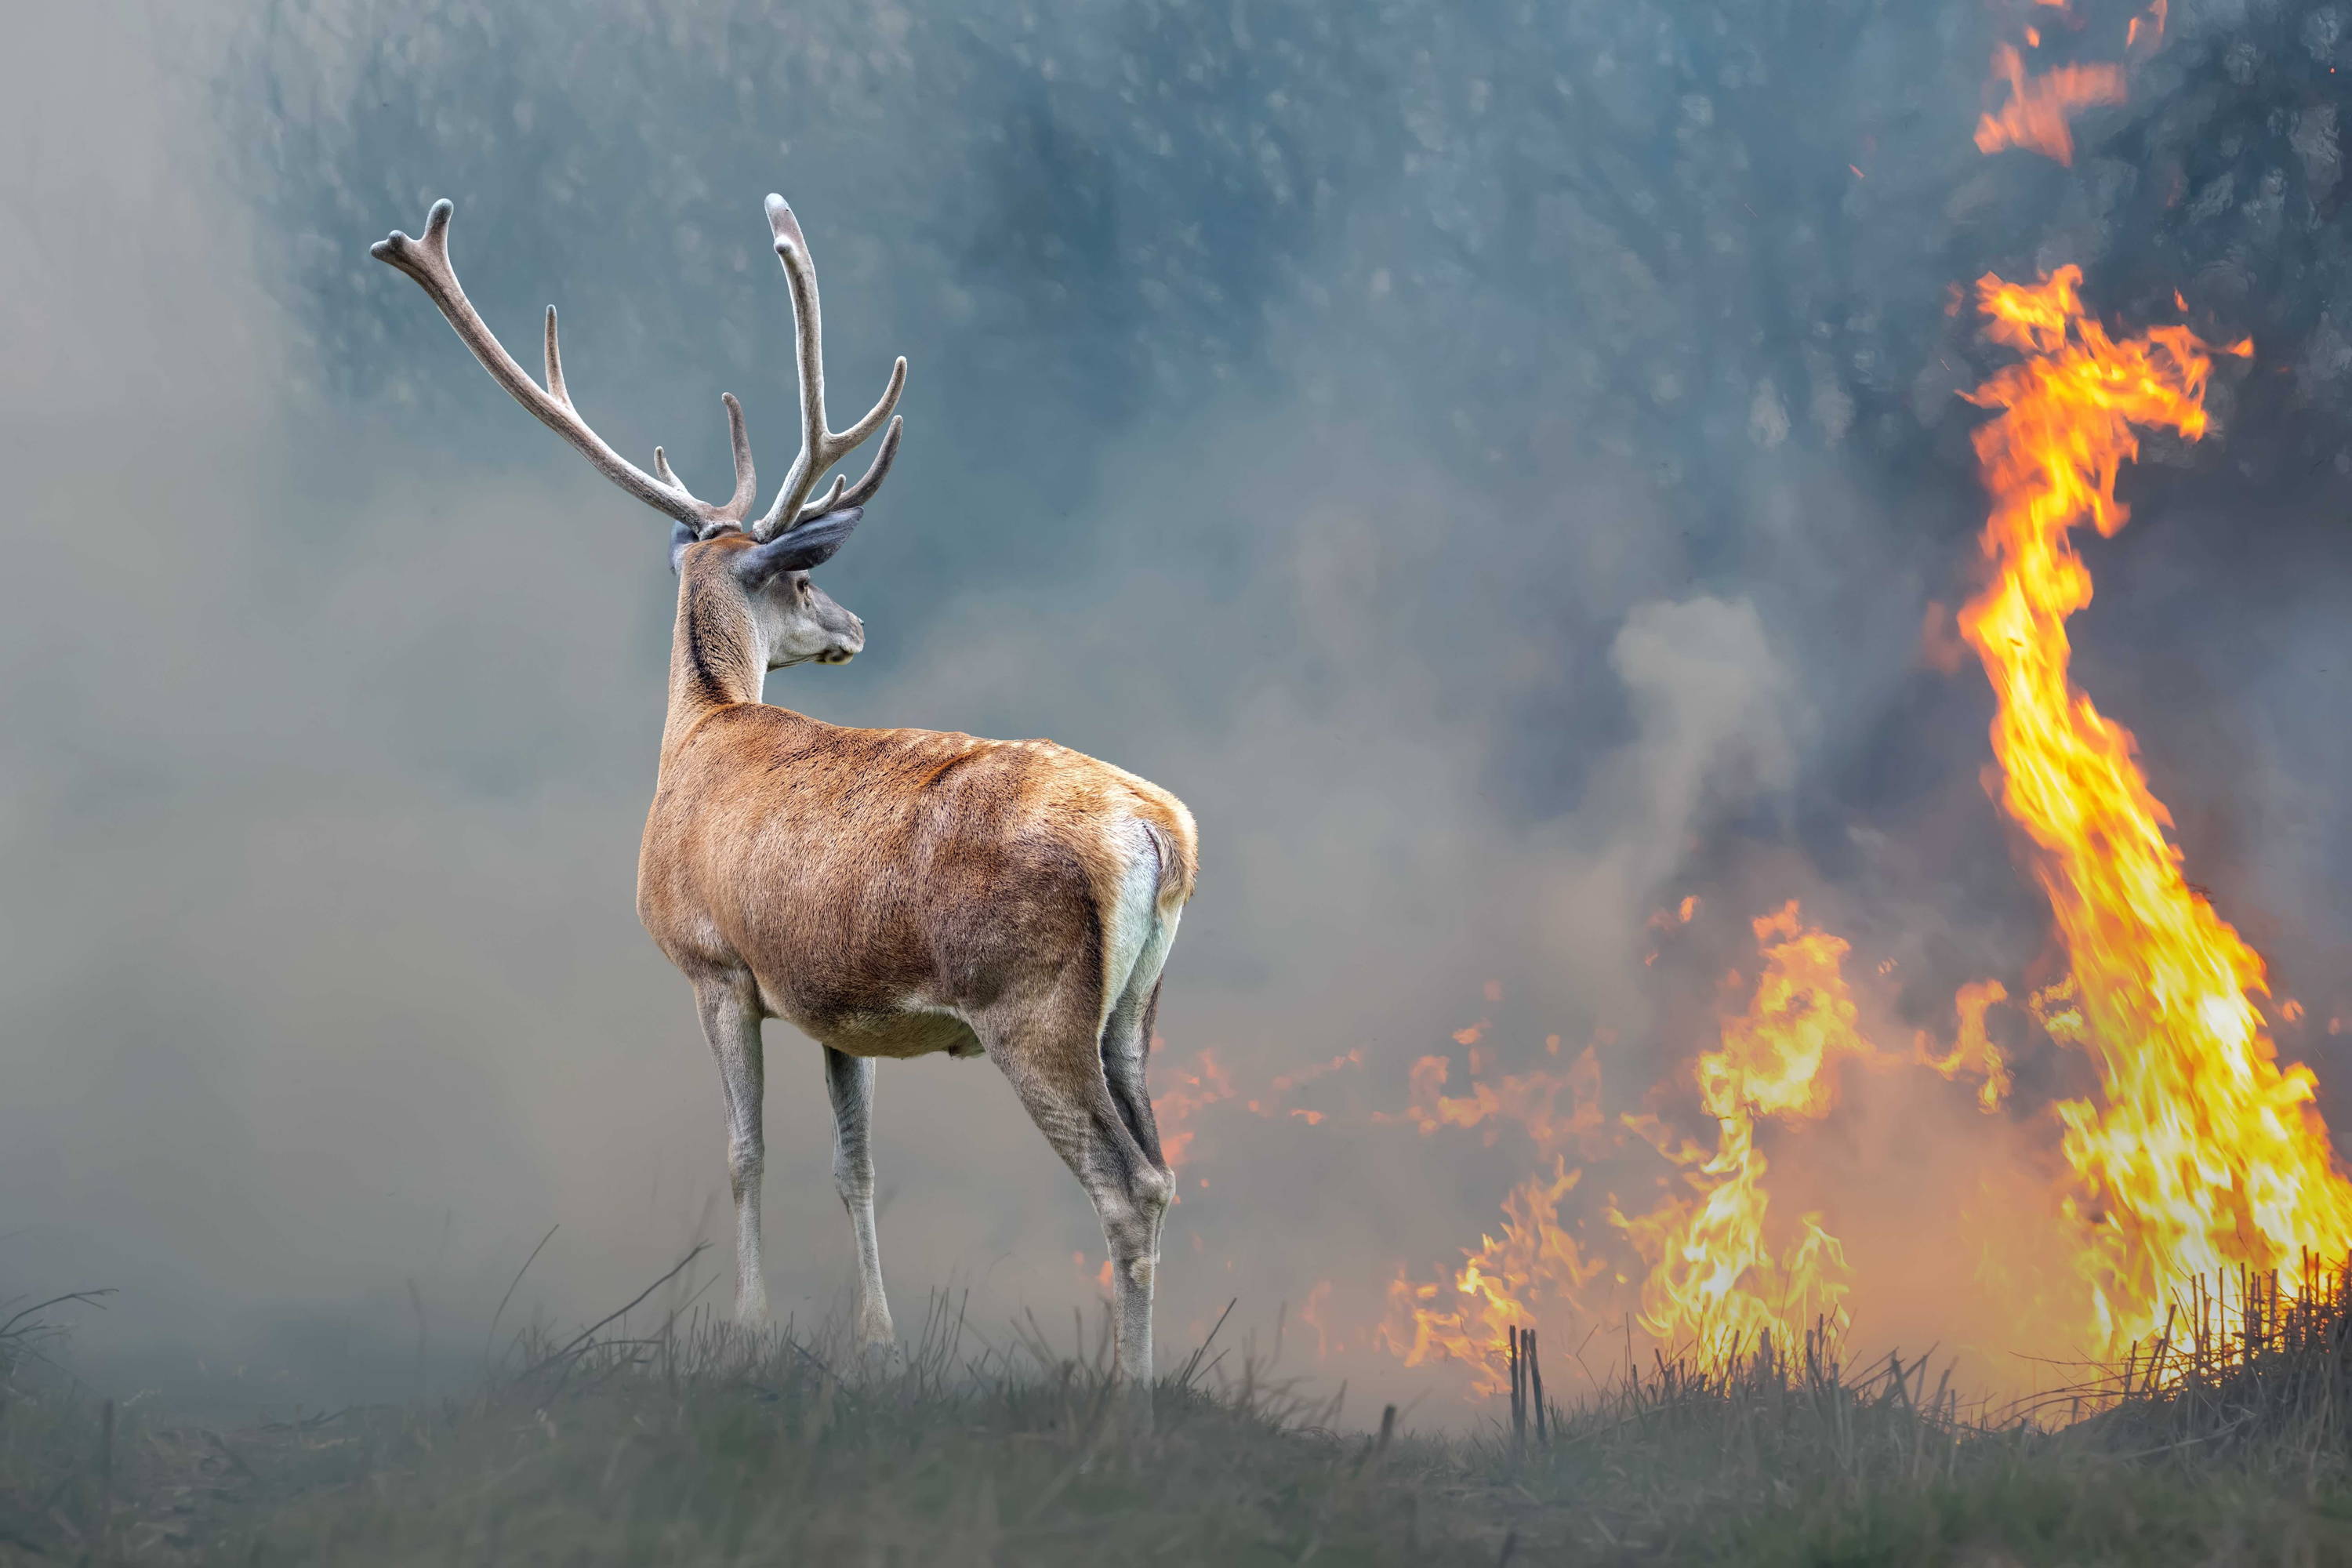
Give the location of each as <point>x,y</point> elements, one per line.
<point>2237,1453</point>
<point>683,1441</point>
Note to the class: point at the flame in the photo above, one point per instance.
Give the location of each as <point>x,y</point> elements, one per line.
<point>1316,1313</point>
<point>2200,1154</point>
<point>2035,115</point>
<point>1208,1081</point>
<point>1529,1100</point>
<point>2036,111</point>
<point>1716,1283</point>
<point>1284,1083</point>
<point>1201,1085</point>
<point>1536,1263</point>
<point>1973,1050</point>
<point>2147,32</point>
<point>1679,916</point>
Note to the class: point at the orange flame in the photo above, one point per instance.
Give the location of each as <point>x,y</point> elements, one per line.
<point>1316,1313</point>
<point>1716,1282</point>
<point>1973,1051</point>
<point>1679,916</point>
<point>1201,1085</point>
<point>2147,32</point>
<point>1208,1081</point>
<point>2036,112</point>
<point>1530,1100</point>
<point>2201,1153</point>
<point>1271,1102</point>
<point>1535,1263</point>
<point>2035,115</point>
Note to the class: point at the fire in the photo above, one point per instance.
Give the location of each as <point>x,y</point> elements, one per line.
<point>1198,1087</point>
<point>1283,1086</point>
<point>1530,1100</point>
<point>1679,916</point>
<point>2199,1154</point>
<point>1717,1274</point>
<point>1316,1313</point>
<point>2035,115</point>
<point>1536,1263</point>
<point>1973,1051</point>
<point>2202,1154</point>
<point>1716,1282</point>
<point>1508,1281</point>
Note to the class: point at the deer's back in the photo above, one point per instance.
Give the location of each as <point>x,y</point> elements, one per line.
<point>882,884</point>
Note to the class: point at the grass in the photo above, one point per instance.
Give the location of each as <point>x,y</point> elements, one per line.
<point>681,1440</point>
<point>1808,1460</point>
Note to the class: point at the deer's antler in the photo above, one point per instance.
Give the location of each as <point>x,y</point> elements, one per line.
<point>821,447</point>
<point>427,261</point>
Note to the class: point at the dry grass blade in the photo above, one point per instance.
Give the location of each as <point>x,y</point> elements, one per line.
<point>586,1336</point>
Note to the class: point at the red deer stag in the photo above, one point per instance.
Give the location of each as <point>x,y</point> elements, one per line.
<point>887,892</point>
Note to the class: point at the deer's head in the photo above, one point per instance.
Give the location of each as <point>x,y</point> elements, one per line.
<point>716,549</point>
<point>796,621</point>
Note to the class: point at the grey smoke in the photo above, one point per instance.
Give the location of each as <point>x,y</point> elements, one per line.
<point>1492,466</point>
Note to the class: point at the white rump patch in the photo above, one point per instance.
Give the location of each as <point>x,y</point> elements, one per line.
<point>1134,933</point>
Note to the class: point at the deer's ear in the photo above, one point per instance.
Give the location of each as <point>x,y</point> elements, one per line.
<point>811,544</point>
<point>680,536</point>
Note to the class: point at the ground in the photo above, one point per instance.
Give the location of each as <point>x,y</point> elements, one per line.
<point>683,1441</point>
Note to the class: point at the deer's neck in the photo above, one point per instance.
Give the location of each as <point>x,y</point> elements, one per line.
<point>717,655</point>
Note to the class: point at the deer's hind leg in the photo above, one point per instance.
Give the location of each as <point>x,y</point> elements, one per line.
<point>1126,1047</point>
<point>850,1080</point>
<point>1052,1053</point>
<point>1126,1032</point>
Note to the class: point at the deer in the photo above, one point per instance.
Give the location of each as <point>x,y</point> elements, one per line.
<point>887,892</point>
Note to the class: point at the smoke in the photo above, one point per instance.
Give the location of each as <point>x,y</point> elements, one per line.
<point>1495,468</point>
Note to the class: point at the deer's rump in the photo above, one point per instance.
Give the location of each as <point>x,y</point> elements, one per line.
<point>887,888</point>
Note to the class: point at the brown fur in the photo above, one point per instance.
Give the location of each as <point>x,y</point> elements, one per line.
<point>864,878</point>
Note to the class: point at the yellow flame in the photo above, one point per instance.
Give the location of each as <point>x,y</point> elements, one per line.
<point>1716,1283</point>
<point>2201,1153</point>
<point>1973,1051</point>
<point>1508,1281</point>
<point>1536,1264</point>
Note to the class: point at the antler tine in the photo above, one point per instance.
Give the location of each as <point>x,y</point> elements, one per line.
<point>824,503</point>
<point>821,447</point>
<point>554,357</point>
<point>427,261</point>
<point>847,441</point>
<point>747,482</point>
<point>863,491</point>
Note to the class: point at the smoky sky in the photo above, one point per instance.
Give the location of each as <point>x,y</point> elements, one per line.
<point>1495,463</point>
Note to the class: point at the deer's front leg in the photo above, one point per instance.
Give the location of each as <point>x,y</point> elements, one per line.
<point>730,1021</point>
<point>850,1080</point>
